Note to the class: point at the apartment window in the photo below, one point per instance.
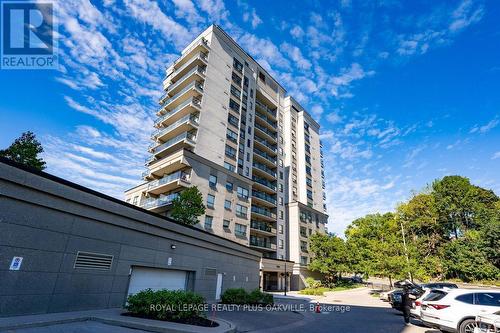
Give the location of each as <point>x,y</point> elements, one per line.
<point>248,157</point>
<point>281,245</point>
<point>229,166</point>
<point>308,159</point>
<point>308,181</point>
<point>303,231</point>
<point>236,79</point>
<point>308,148</point>
<point>237,65</point>
<point>280,228</point>
<point>240,230</point>
<point>281,201</point>
<point>308,170</point>
<point>241,211</point>
<point>208,221</point>
<point>303,260</point>
<point>212,181</point>
<point>281,174</point>
<point>310,232</point>
<point>227,204</point>
<point>247,172</point>
<point>134,202</point>
<point>262,77</point>
<point>242,192</point>
<point>231,135</point>
<point>232,120</point>
<point>245,79</point>
<point>280,151</point>
<point>235,91</point>
<point>234,106</point>
<point>226,224</point>
<point>249,130</point>
<point>280,187</point>
<point>281,163</point>
<point>303,246</point>
<point>230,152</point>
<point>249,142</point>
<point>229,186</point>
<point>210,201</point>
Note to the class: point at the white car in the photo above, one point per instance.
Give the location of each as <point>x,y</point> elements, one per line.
<point>415,308</point>
<point>455,310</point>
<point>488,323</point>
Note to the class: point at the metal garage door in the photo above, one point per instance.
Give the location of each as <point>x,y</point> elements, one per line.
<point>156,279</point>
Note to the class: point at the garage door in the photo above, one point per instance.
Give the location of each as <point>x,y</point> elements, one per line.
<point>156,279</point>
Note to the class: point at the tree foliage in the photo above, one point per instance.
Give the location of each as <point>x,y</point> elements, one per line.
<point>188,206</point>
<point>25,150</point>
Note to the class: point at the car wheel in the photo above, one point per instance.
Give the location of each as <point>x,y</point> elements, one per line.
<point>467,326</point>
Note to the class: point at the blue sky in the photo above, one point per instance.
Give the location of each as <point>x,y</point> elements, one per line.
<point>406,92</point>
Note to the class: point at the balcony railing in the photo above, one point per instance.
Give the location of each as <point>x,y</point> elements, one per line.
<point>268,157</point>
<point>166,101</point>
<point>267,144</point>
<point>265,108</point>
<point>205,42</point>
<point>195,101</point>
<point>263,211</point>
<point>198,69</point>
<point>268,120</point>
<point>179,175</point>
<point>264,196</point>
<point>261,243</point>
<point>169,143</point>
<point>264,168</point>
<point>190,117</point>
<point>261,226</point>
<point>163,200</point>
<point>262,181</point>
<point>265,130</point>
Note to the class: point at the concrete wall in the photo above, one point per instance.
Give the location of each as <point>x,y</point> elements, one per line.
<point>47,221</point>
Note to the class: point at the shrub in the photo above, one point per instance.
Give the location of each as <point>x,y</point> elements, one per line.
<point>240,296</point>
<point>235,296</point>
<point>312,283</point>
<point>177,305</point>
<point>314,292</point>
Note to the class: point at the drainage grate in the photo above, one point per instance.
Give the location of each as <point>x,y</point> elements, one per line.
<point>89,260</point>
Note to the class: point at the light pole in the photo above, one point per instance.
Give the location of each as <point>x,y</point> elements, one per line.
<point>286,276</point>
<point>406,251</point>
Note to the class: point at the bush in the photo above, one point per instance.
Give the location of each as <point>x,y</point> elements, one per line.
<point>314,291</point>
<point>177,305</point>
<point>312,283</point>
<point>240,296</point>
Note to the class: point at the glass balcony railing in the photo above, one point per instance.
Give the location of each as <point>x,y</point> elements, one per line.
<point>266,130</point>
<point>197,69</point>
<point>265,108</point>
<point>264,196</point>
<point>145,174</point>
<point>268,120</point>
<point>173,141</point>
<point>268,157</point>
<point>163,200</point>
<point>263,211</point>
<point>262,181</point>
<point>264,168</point>
<point>267,144</point>
<point>201,55</point>
<point>179,175</point>
<point>259,225</point>
<point>166,101</point>
<point>261,242</point>
<point>195,101</point>
<point>190,117</point>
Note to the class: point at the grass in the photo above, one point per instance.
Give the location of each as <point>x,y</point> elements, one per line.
<point>321,290</point>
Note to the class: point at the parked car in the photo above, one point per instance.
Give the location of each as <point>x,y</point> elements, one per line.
<point>427,287</point>
<point>396,298</point>
<point>384,296</point>
<point>455,310</point>
<point>488,323</point>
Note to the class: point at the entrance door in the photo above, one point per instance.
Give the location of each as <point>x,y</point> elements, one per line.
<point>218,288</point>
<point>156,278</point>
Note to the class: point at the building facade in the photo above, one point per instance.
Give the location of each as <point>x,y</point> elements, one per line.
<point>225,125</point>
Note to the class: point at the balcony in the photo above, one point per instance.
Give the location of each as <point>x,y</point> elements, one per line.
<point>184,140</point>
<point>201,47</point>
<point>263,228</point>
<point>262,243</point>
<point>264,184</point>
<point>184,108</point>
<point>162,201</point>
<point>186,123</point>
<point>264,157</point>
<point>193,89</point>
<point>197,73</point>
<point>266,121</point>
<point>263,144</point>
<point>263,198</point>
<point>266,109</point>
<point>264,170</point>
<point>169,182</point>
<point>263,213</point>
<point>265,132</point>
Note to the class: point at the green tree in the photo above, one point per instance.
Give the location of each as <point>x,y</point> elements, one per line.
<point>25,150</point>
<point>329,256</point>
<point>188,206</point>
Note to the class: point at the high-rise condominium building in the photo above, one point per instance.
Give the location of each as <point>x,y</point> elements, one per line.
<point>225,125</point>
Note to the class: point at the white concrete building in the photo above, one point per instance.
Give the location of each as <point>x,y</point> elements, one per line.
<point>225,125</point>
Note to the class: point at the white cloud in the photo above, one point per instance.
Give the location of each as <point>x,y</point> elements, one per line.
<point>467,13</point>
<point>295,54</point>
<point>485,128</point>
<point>495,155</point>
<point>252,17</point>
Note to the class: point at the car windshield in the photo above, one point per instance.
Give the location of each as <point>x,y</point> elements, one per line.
<point>435,295</point>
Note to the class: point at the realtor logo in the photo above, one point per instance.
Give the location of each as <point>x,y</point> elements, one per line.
<point>28,35</point>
